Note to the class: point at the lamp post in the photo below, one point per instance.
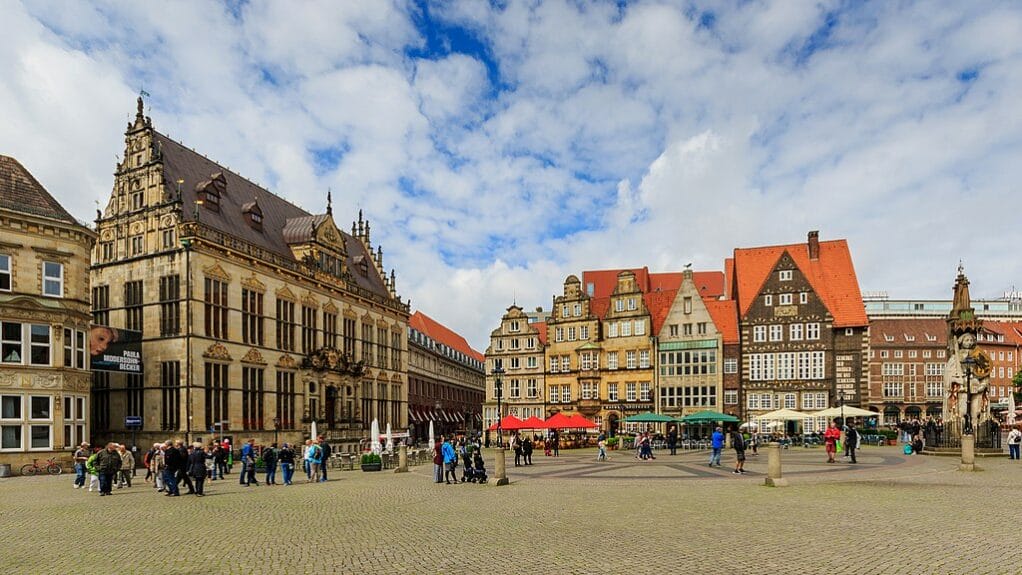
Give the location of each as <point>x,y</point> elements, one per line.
<point>276,430</point>
<point>968,363</point>
<point>498,388</point>
<point>439,406</point>
<point>841,402</point>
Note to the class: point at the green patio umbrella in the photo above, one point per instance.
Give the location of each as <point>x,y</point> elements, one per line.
<point>709,417</point>
<point>649,417</point>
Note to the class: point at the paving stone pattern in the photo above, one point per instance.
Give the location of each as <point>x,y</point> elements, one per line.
<point>888,514</point>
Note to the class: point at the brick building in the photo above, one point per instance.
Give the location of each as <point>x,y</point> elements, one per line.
<point>906,368</point>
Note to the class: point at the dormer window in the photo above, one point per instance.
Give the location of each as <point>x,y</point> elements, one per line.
<point>209,192</point>
<point>253,215</point>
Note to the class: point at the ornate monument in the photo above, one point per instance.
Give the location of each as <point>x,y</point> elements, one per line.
<point>966,376</point>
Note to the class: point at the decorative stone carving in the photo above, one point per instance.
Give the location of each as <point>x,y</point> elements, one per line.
<point>217,351</point>
<point>309,300</point>
<point>285,293</point>
<point>287,362</point>
<point>333,360</point>
<point>9,380</point>
<point>46,381</point>
<point>216,272</point>
<point>330,307</point>
<point>253,356</point>
<point>253,283</point>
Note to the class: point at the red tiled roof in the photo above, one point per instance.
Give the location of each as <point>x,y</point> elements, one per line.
<point>832,276</point>
<point>441,334</point>
<point>1010,331</point>
<point>599,306</point>
<point>725,318</point>
<point>710,284</point>
<point>540,327</point>
<point>658,304</point>
<point>729,278</point>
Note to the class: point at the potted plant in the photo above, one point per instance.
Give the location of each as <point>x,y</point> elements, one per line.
<point>371,462</point>
<point>612,443</point>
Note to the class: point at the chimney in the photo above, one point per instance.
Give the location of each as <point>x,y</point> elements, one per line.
<point>814,245</point>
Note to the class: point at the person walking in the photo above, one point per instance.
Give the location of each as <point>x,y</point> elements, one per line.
<point>438,461</point>
<point>555,440</point>
<point>313,455</point>
<point>716,444</point>
<point>830,439</point>
<point>108,464</point>
<point>324,457</point>
<point>80,457</point>
<point>450,457</point>
<point>738,444</point>
<point>287,463</point>
<point>516,446</point>
<point>157,465</point>
<point>182,474</point>
<point>173,464</point>
<point>220,461</point>
<point>270,463</point>
<point>672,439</point>
<point>197,468</point>
<point>247,463</point>
<point>851,441</point>
<point>527,450</point>
<point>601,454</point>
<point>1014,440</point>
<point>127,467</point>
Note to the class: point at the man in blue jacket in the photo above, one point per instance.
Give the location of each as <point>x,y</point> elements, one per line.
<point>717,443</point>
<point>449,458</point>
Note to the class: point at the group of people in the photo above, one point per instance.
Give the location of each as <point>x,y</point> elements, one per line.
<point>738,442</point>
<point>522,446</point>
<point>171,465</point>
<point>446,455</point>
<point>834,442</point>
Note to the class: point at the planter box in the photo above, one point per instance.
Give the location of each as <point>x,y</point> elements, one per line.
<point>372,466</point>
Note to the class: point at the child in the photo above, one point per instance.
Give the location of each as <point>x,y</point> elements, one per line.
<point>90,468</point>
<point>602,456</point>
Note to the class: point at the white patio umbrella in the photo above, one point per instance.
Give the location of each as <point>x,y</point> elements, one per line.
<point>390,440</point>
<point>749,425</point>
<point>374,437</point>
<point>432,441</point>
<point>1009,417</point>
<point>849,411</point>
<point>312,432</point>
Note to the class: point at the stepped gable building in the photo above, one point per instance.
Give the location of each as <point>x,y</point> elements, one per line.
<point>725,318</point>
<point>573,351</point>
<point>804,331</point>
<point>517,347</point>
<point>44,321</point>
<point>258,318</point>
<point>446,379</point>
<point>602,283</point>
<point>906,368</point>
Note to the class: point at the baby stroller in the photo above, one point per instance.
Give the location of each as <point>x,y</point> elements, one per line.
<point>478,473</point>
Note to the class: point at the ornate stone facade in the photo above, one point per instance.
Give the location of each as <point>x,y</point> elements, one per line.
<point>518,346</point>
<point>242,292</point>
<point>44,322</point>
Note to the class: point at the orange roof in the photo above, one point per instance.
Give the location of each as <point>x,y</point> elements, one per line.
<point>710,284</point>
<point>599,306</point>
<point>725,318</point>
<point>729,278</point>
<point>540,327</point>
<point>832,276</point>
<point>1010,331</point>
<point>658,304</point>
<point>441,334</point>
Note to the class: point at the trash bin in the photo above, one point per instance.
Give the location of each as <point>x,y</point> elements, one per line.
<point>5,469</point>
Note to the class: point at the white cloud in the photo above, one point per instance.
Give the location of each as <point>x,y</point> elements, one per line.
<point>612,137</point>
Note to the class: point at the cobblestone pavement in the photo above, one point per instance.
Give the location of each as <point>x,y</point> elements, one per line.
<point>889,514</point>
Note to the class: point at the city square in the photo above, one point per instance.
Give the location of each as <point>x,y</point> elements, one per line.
<point>891,513</point>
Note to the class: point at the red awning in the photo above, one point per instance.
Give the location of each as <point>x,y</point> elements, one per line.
<point>533,423</point>
<point>559,421</point>
<point>581,422</point>
<point>509,422</point>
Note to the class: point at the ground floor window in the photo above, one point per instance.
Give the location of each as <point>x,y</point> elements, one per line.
<point>26,422</point>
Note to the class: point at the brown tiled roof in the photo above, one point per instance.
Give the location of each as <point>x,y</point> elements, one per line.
<point>283,222</point>
<point>20,192</point>
<point>916,330</point>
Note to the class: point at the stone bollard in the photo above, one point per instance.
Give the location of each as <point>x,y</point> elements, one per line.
<point>402,459</point>
<point>968,454</point>
<point>500,468</point>
<point>774,478</point>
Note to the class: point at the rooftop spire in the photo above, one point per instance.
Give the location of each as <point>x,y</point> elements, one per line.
<point>329,203</point>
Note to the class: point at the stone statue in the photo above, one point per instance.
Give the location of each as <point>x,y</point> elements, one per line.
<point>965,389</point>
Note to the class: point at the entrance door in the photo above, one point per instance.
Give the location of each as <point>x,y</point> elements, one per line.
<point>612,425</point>
<point>331,406</point>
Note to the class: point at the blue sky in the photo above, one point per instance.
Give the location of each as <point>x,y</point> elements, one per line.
<point>499,146</point>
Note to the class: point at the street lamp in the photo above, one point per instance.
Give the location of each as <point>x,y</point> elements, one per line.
<point>276,430</point>
<point>498,388</point>
<point>439,406</point>
<point>841,402</point>
<point>968,363</point>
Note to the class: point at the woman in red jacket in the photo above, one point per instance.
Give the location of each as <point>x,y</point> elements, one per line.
<point>830,438</point>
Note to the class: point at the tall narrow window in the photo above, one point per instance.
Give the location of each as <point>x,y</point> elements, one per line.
<point>308,329</point>
<point>329,330</point>
<point>251,317</point>
<point>286,399</point>
<point>381,347</point>
<point>170,395</point>
<point>285,325</point>
<point>395,343</point>
<point>216,308</point>
<point>367,343</point>
<point>349,337</point>
<point>100,400</point>
<point>133,300</point>
<point>5,272</point>
<point>170,305</point>
<point>252,398</point>
<point>135,394</point>
<point>217,397</point>
<point>101,305</point>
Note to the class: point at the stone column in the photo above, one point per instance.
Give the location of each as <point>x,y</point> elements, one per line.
<point>500,468</point>
<point>774,478</point>
<point>402,459</point>
<point>968,454</point>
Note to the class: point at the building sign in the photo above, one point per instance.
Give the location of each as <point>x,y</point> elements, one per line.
<point>629,407</point>
<point>786,311</point>
<point>844,371</point>
<point>113,349</point>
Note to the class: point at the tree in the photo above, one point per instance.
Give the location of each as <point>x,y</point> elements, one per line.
<point>1017,382</point>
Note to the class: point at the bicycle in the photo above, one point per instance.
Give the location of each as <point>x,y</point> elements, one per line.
<point>51,467</point>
